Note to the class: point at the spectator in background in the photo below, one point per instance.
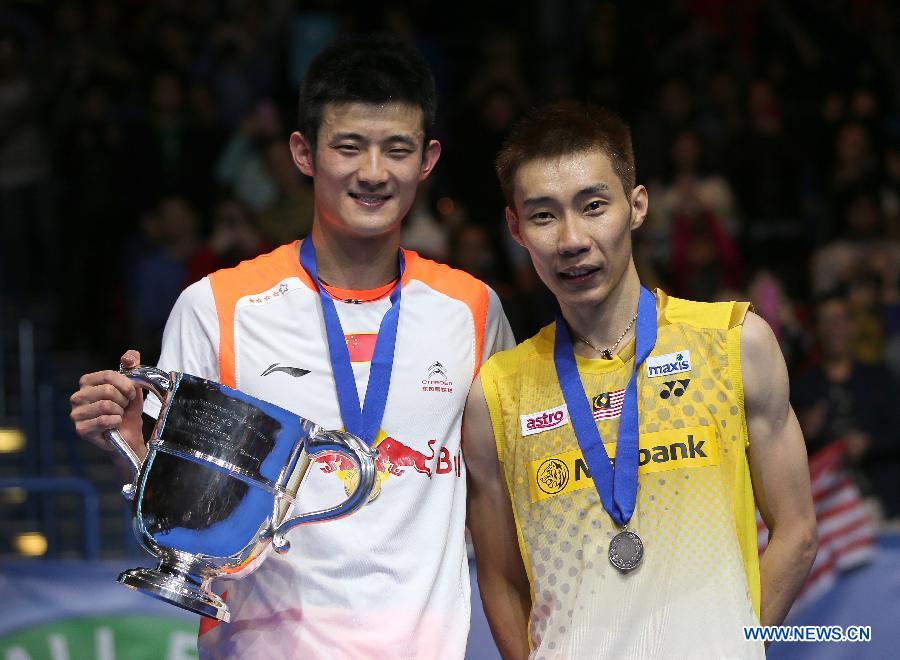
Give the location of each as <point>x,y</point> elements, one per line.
<point>27,220</point>
<point>674,112</point>
<point>165,151</point>
<point>234,239</point>
<point>423,228</point>
<point>770,300</point>
<point>694,227</point>
<point>290,214</point>
<point>765,171</point>
<point>855,163</point>
<point>159,270</point>
<point>889,191</point>
<point>242,164</point>
<point>840,400</point>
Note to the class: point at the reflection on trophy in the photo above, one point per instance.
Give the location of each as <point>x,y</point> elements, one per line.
<point>215,490</point>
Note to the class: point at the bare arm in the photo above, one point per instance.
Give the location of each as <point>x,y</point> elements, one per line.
<point>779,471</point>
<point>502,580</point>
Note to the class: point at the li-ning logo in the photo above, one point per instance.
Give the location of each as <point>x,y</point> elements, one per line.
<point>544,420</point>
<point>671,363</point>
<point>674,387</point>
<point>437,379</point>
<point>296,372</point>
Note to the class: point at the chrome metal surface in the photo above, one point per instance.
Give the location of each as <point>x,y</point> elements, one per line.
<point>216,488</point>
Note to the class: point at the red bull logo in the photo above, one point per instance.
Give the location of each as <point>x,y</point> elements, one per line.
<point>394,459</point>
<point>393,454</point>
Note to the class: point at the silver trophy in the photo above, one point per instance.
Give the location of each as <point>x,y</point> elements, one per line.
<point>215,491</point>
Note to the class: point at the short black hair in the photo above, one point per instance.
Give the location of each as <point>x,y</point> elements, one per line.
<point>561,129</point>
<point>366,69</point>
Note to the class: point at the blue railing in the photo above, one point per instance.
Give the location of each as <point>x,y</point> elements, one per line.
<point>90,504</point>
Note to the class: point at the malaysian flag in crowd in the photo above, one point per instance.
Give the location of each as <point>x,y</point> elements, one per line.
<point>608,405</point>
<point>846,525</point>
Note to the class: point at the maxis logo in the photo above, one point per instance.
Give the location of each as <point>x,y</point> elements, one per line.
<point>544,420</point>
<point>671,363</point>
<point>693,447</point>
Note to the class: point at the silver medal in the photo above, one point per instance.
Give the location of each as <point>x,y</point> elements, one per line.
<point>626,550</point>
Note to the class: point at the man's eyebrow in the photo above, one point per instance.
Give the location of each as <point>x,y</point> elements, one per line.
<point>402,137</point>
<point>356,137</point>
<point>537,201</point>
<point>597,189</point>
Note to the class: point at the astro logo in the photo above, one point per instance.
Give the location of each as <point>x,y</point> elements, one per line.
<point>674,387</point>
<point>544,420</point>
<point>671,363</point>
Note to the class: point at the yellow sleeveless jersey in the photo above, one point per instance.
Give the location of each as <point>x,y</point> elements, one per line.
<point>698,583</point>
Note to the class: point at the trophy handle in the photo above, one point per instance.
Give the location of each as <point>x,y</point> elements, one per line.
<point>363,458</point>
<point>153,380</point>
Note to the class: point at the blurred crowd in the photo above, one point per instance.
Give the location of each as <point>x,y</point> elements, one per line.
<point>144,144</point>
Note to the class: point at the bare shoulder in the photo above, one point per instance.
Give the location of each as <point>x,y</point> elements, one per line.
<point>763,369</point>
<point>757,339</point>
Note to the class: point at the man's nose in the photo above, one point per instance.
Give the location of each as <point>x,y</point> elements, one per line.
<point>573,236</point>
<point>372,171</point>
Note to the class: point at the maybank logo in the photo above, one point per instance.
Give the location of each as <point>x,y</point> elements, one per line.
<point>693,447</point>
<point>544,420</point>
<point>552,476</point>
<point>670,363</point>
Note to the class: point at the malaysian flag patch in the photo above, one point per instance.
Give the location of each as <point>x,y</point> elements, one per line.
<point>607,405</point>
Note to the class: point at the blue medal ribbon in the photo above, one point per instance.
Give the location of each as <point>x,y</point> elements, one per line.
<point>617,486</point>
<point>363,423</point>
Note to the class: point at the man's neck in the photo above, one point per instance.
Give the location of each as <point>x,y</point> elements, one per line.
<point>356,263</point>
<point>602,324</point>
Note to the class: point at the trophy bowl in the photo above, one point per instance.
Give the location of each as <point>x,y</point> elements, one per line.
<point>214,493</point>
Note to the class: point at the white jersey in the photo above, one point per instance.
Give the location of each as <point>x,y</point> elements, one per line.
<point>392,580</point>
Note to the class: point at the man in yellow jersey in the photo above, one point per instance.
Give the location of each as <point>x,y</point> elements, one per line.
<point>616,457</point>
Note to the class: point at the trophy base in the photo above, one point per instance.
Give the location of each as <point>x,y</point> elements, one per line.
<point>178,589</point>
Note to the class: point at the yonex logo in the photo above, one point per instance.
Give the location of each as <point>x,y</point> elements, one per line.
<point>674,387</point>
<point>296,372</point>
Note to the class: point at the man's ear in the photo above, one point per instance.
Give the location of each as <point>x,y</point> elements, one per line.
<point>512,221</point>
<point>302,153</point>
<point>640,201</point>
<point>430,158</point>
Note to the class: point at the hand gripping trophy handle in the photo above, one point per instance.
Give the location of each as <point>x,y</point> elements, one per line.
<point>159,383</point>
<point>218,483</point>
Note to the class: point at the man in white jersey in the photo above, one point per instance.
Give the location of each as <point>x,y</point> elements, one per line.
<point>615,458</point>
<point>391,581</point>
